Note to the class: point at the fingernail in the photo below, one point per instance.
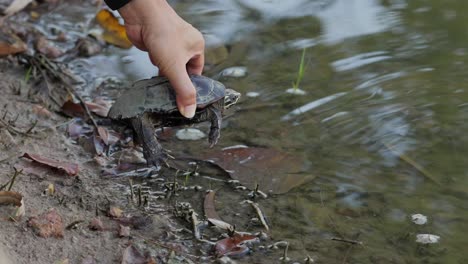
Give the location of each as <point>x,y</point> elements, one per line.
<point>189,111</point>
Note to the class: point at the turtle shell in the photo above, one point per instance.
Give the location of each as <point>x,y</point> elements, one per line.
<point>157,95</point>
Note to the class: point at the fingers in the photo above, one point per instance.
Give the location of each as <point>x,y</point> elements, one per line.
<point>185,91</point>
<point>195,64</point>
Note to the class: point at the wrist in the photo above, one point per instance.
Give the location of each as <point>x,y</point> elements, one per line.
<point>138,11</point>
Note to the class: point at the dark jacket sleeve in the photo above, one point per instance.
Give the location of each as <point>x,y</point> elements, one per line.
<point>116,4</point>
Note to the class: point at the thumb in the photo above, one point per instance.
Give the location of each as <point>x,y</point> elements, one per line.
<point>186,94</point>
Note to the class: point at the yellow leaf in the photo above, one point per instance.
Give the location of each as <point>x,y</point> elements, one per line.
<point>114,33</point>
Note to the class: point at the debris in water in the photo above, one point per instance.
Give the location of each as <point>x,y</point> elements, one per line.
<point>235,72</point>
<point>427,238</point>
<point>419,219</point>
<point>296,91</point>
<point>190,134</point>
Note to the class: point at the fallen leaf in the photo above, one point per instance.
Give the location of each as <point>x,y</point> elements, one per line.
<point>209,206</point>
<point>73,109</point>
<point>15,199</point>
<point>99,106</point>
<point>48,49</point>
<point>115,212</point>
<point>96,225</point>
<point>10,43</point>
<point>70,168</point>
<point>103,134</point>
<point>114,33</point>
<point>234,246</point>
<point>124,231</point>
<point>135,222</point>
<point>78,128</point>
<point>88,260</point>
<point>131,255</point>
<point>16,6</point>
<point>98,145</point>
<point>41,111</point>
<point>271,169</point>
<point>49,224</point>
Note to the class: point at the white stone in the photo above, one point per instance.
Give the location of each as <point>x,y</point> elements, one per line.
<point>295,91</point>
<point>419,219</point>
<point>427,238</point>
<point>236,72</point>
<point>252,94</point>
<point>190,134</point>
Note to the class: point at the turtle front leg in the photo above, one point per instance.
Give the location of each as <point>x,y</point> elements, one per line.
<point>152,150</point>
<point>215,117</point>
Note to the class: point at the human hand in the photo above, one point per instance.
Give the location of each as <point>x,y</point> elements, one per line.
<point>174,46</point>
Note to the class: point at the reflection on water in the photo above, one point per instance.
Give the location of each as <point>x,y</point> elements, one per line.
<point>386,96</point>
<point>380,102</point>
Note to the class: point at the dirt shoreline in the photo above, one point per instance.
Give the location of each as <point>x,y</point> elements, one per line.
<point>76,198</point>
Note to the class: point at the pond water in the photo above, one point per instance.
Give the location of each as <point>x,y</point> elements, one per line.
<point>380,129</point>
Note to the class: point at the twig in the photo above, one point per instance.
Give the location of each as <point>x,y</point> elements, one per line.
<point>413,163</point>
<point>350,241</point>
<point>12,181</point>
<point>260,214</point>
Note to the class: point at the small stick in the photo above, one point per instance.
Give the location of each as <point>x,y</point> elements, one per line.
<point>260,214</point>
<point>12,181</point>
<point>350,241</point>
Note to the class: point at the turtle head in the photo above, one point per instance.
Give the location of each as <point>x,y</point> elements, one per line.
<point>231,98</point>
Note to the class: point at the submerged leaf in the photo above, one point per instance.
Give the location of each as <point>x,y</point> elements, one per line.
<point>114,32</point>
<point>234,246</point>
<point>70,168</point>
<point>273,170</point>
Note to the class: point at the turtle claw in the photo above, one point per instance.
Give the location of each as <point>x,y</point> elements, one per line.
<point>213,137</point>
<point>156,159</point>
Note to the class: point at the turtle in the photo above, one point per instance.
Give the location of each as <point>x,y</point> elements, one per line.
<point>151,103</point>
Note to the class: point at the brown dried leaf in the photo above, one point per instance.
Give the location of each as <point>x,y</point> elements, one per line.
<point>98,145</point>
<point>41,111</point>
<point>13,198</point>
<point>77,128</point>
<point>131,255</point>
<point>70,168</point>
<point>234,246</point>
<point>48,49</point>
<point>124,231</point>
<point>103,134</point>
<point>99,107</point>
<point>115,212</point>
<point>10,43</point>
<point>96,224</point>
<point>209,206</point>
<point>49,224</point>
<point>73,109</point>
<point>273,170</point>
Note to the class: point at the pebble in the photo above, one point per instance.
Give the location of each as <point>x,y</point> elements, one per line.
<point>419,219</point>
<point>427,238</point>
<point>252,94</point>
<point>190,134</point>
<point>295,91</point>
<point>236,72</point>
